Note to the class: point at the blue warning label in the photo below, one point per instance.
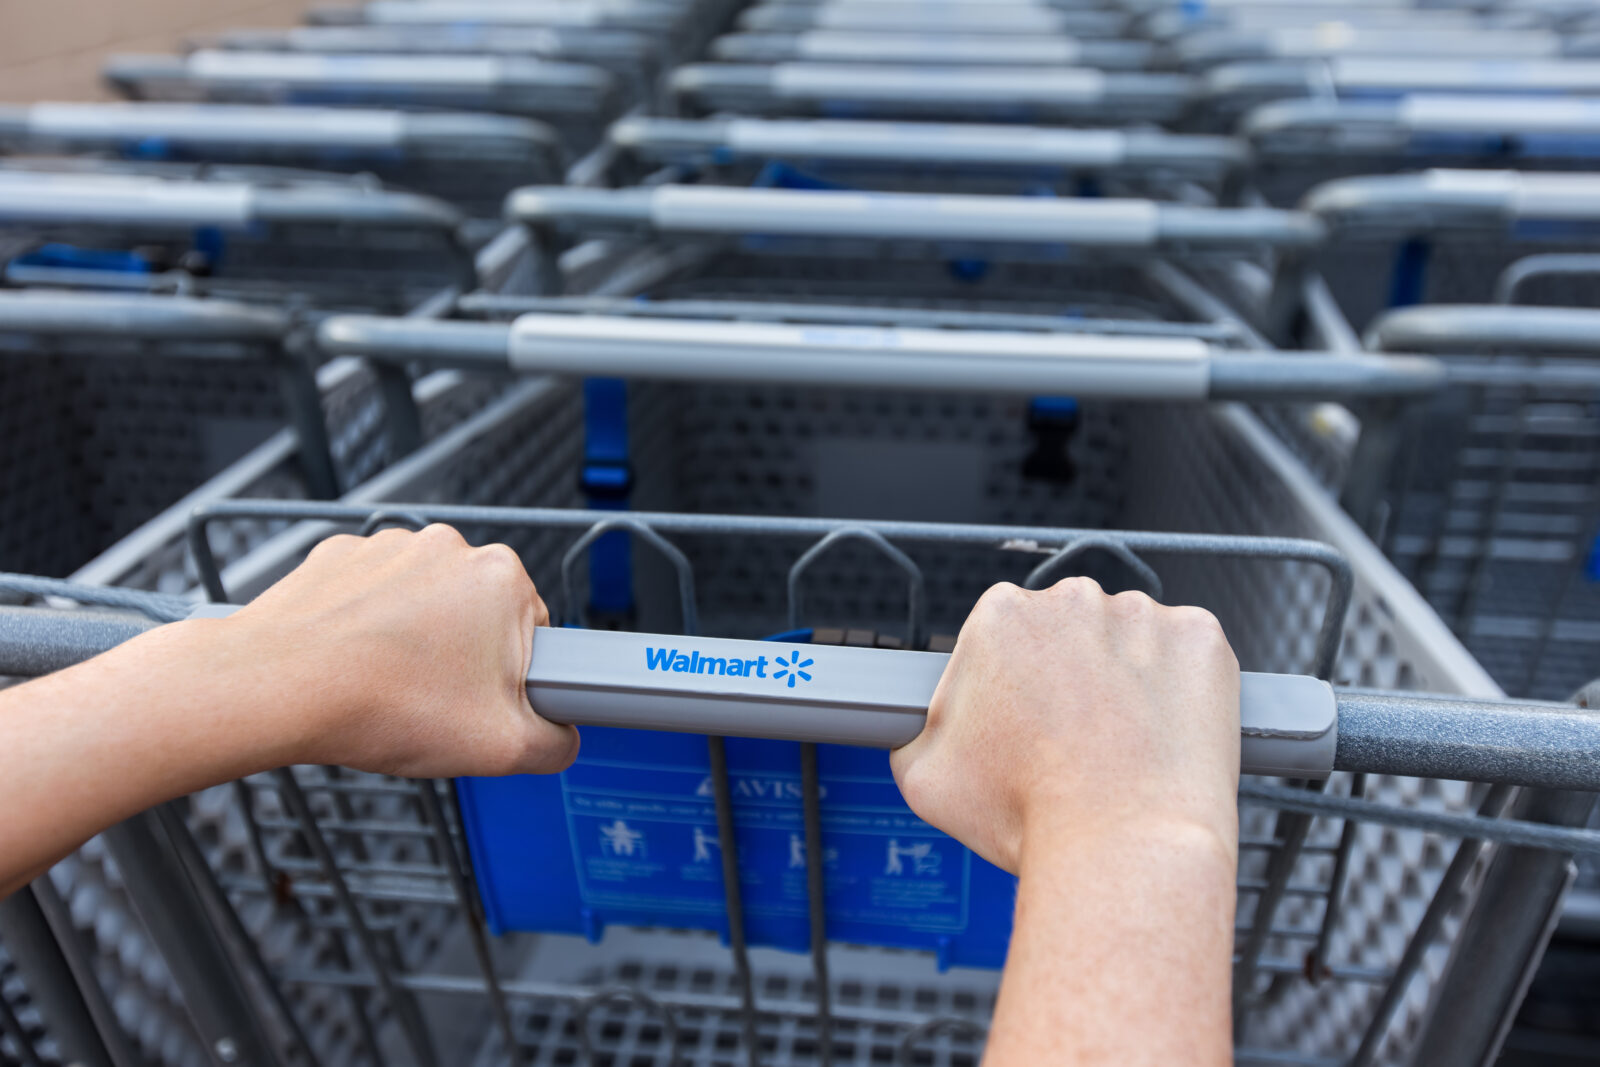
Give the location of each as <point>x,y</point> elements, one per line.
<point>653,842</point>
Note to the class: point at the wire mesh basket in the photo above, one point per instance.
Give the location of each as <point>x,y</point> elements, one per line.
<point>1491,502</point>
<point>285,238</point>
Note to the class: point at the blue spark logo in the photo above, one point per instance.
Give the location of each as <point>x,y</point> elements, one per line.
<point>792,668</point>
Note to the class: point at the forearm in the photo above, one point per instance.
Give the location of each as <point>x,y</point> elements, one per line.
<point>1122,950</point>
<point>175,710</point>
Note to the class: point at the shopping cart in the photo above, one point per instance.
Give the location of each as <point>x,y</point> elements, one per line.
<point>1491,504</point>
<point>681,29</point>
<point>352,859</point>
<point>995,93</point>
<point>1299,143</point>
<point>1443,236</point>
<point>570,97</point>
<point>878,16</point>
<point>114,406</point>
<point>1313,42</point>
<point>1227,92</point>
<point>468,159</point>
<point>633,58</point>
<point>841,46</point>
<point>929,156</point>
<point>255,234</point>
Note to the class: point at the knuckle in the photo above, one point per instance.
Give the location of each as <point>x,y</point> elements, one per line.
<point>1134,602</point>
<point>332,546</point>
<point>1077,587</point>
<point>440,533</point>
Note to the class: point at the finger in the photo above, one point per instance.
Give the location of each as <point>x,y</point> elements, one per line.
<point>541,611</point>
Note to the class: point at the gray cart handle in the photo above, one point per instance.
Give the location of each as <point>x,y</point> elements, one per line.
<point>1002,220</point>
<point>982,361</point>
<point>831,694</point>
<point>834,694</point>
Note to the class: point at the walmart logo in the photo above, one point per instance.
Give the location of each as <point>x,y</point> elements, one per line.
<point>794,668</point>
<point>788,670</point>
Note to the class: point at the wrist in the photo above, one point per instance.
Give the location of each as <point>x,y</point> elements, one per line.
<point>252,685</point>
<point>1176,841</point>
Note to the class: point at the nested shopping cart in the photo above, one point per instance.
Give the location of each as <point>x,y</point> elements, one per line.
<point>1492,501</point>
<point>470,160</point>
<point>258,234</point>
<point>913,46</point>
<point>680,27</point>
<point>1298,143</point>
<point>574,98</point>
<point>1444,236</point>
<point>633,57</point>
<point>113,407</point>
<point>360,892</point>
<point>1227,92</point>
<point>878,16</point>
<point>930,156</point>
<point>1004,93</point>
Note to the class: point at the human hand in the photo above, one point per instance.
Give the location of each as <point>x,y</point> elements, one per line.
<point>402,653</point>
<point>1070,712</point>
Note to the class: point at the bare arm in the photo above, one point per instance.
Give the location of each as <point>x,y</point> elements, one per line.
<point>1090,744</point>
<point>402,653</point>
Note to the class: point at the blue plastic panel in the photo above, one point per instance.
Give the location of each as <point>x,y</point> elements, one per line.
<point>628,836</point>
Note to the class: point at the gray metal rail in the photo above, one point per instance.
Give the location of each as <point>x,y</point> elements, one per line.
<point>199,127</point>
<point>924,143</point>
<point>843,46</point>
<point>1456,199</point>
<point>952,18</point>
<point>511,84</point>
<point>42,197</point>
<point>1449,328</point>
<point>642,15</point>
<point>1233,87</point>
<point>989,220</point>
<point>1083,93</point>
<point>984,361</point>
<point>1295,130</point>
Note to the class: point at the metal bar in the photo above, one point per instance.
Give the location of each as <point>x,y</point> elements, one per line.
<point>173,913</point>
<point>11,1026</point>
<point>1276,548</point>
<point>1292,827</point>
<point>232,928</point>
<point>816,898</point>
<point>399,999</point>
<point>1444,899</point>
<point>1501,942</point>
<point>1341,868</point>
<point>433,811</point>
<point>58,913</point>
<point>53,984</point>
<point>733,897</point>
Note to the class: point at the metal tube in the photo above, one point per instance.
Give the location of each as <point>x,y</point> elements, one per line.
<point>1551,746</point>
<point>1444,898</point>
<point>733,896</point>
<point>399,999</point>
<point>51,983</point>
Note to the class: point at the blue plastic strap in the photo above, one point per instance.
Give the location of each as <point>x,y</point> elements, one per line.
<point>1410,273</point>
<point>607,480</point>
<point>71,257</point>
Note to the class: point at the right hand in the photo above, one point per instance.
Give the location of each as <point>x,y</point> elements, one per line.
<point>1070,712</point>
<point>402,653</point>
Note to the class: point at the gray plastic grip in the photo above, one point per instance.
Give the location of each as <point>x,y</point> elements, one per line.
<point>858,696</point>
